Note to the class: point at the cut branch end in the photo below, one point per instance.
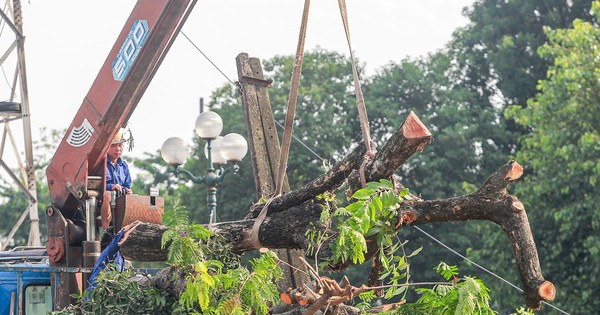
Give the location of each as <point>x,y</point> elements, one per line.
<point>515,172</point>
<point>547,291</point>
<point>517,205</point>
<point>285,298</point>
<point>414,128</point>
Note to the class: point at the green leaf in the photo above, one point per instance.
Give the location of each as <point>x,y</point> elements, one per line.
<point>404,192</point>
<point>386,183</point>
<point>372,231</point>
<point>375,206</point>
<point>389,199</point>
<point>363,193</point>
<point>375,186</point>
<point>400,290</point>
<point>415,252</point>
<point>355,207</point>
<point>342,212</point>
<point>385,263</point>
<point>446,270</point>
<point>384,275</point>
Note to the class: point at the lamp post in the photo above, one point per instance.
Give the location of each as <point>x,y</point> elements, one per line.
<point>219,152</point>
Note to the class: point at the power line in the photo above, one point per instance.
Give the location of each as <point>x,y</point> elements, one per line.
<point>416,227</point>
<point>302,143</point>
<point>480,266</point>
<point>205,56</point>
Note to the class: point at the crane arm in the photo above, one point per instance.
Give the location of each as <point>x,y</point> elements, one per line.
<point>126,73</point>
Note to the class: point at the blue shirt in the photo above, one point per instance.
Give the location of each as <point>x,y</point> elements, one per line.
<point>117,174</point>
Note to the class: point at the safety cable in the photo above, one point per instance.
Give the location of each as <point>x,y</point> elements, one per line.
<point>416,227</point>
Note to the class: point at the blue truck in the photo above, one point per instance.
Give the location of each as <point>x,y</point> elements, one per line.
<point>25,286</point>
<point>28,284</point>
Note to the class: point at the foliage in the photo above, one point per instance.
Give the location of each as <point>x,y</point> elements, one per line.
<point>237,291</point>
<point>376,213</point>
<point>497,49</point>
<point>115,293</point>
<point>183,239</point>
<point>189,243</point>
<point>523,311</point>
<point>560,182</point>
<point>465,296</point>
<point>216,282</point>
<point>373,213</point>
<point>211,287</point>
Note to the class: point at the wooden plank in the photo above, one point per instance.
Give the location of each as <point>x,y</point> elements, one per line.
<point>256,142</point>
<point>269,129</point>
<point>265,151</point>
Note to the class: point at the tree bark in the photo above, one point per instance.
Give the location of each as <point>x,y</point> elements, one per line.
<point>410,138</point>
<point>291,215</point>
<point>492,202</point>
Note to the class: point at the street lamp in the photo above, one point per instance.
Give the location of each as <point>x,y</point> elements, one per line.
<point>218,150</point>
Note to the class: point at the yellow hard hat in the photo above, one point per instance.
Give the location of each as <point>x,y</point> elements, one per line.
<point>118,138</point>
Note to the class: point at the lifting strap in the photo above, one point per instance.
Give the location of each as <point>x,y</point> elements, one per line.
<point>287,131</point>
<point>291,110</point>
<point>360,101</point>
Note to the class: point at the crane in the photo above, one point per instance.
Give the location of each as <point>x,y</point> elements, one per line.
<point>76,172</point>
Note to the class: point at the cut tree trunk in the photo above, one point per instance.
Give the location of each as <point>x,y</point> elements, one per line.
<point>291,215</point>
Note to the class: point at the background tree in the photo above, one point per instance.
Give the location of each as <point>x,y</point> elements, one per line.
<point>562,154</point>
<point>326,116</point>
<point>489,64</point>
<point>497,49</point>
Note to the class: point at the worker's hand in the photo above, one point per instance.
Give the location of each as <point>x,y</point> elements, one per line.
<point>127,191</point>
<point>118,188</point>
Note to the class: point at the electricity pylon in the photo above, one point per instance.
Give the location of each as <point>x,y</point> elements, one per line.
<point>15,109</point>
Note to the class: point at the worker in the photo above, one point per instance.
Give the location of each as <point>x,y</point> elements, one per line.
<point>118,178</point>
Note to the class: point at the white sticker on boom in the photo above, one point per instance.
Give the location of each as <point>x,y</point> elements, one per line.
<point>80,135</point>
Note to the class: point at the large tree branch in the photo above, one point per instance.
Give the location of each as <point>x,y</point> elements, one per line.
<point>492,202</point>
<point>287,229</point>
<point>410,138</point>
<point>292,214</point>
<point>279,230</point>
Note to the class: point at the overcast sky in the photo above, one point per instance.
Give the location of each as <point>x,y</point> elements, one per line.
<point>68,41</point>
